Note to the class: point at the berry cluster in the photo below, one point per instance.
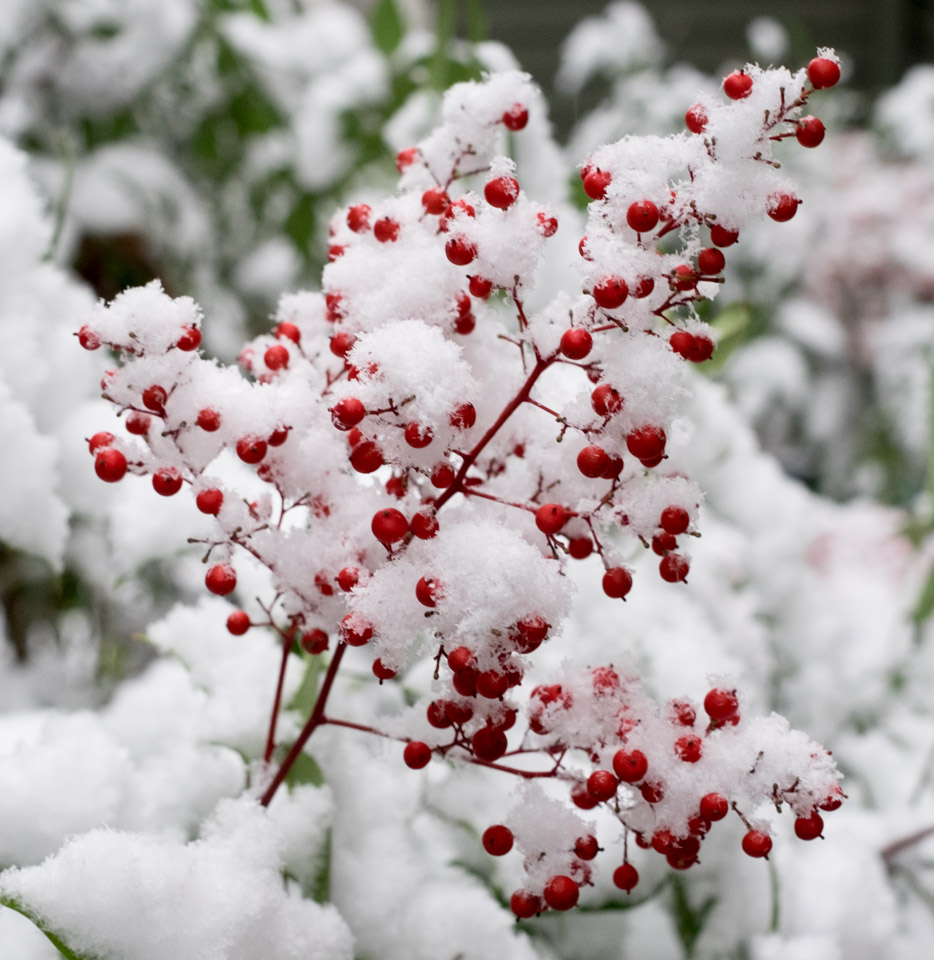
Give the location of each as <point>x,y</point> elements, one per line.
<point>416,456</point>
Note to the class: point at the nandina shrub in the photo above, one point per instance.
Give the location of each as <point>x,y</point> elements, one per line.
<point>432,453</point>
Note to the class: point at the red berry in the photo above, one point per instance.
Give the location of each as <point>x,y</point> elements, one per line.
<point>381,671</point>
<point>323,583</point>
<point>663,543</point>
<point>550,518</point>
<point>348,578</point>
<point>547,226</point>
<point>782,206</point>
<point>459,713</point>
<point>99,440</point>
<point>356,630</point>
<point>424,525</point>
<point>823,72</point>
<point>347,413</point>
<point>689,748</point>
<point>366,457</point>
<point>582,249</point>
<point>251,449</point>
<point>756,843</point>
<point>460,251</point>
<point>464,416</point>
<point>189,340</point>
<point>696,119</point>
<point>341,343</point>
<point>646,443</point>
<point>167,481</point>
<point>592,461</point>
<point>437,715</point>
<point>833,801</point>
<point>595,184</point>
<point>435,201</point>
<point>210,501</point>
<point>497,840</point>
<point>738,85</point>
<point>674,568</point>
<point>625,877</point>
<point>652,792</point>
<point>561,893</point>
<point>701,349</point>
<point>154,398</point>
<point>586,848</point>
<point>580,547</point>
<point>442,476</point>
<point>674,520</point>
<point>576,343</point>
<point>721,237</point>
<point>429,591</point>
<point>110,465</point>
<point>617,582</point>
<point>530,633</point>
<point>209,420</point>
<point>525,905</point>
<point>644,286</point>
<point>88,338</point>
<point>278,436</point>
<point>314,641</point>
<point>682,342</point>
<point>515,118</point>
<point>221,579</point>
<point>138,423</point>
<point>386,230</point>
<point>288,331</point>
<point>492,684</point>
<point>610,292</point>
<point>682,713</point>
<point>714,807</point>
<point>334,252</point>
<point>721,704</point>
<point>582,798</point>
<point>602,785</point>
<point>810,131</point>
<point>276,357</point>
<point>405,158</point>
<point>479,287</point>
<point>684,277</point>
<point>501,192</point>
<point>710,261</point>
<point>606,400</point>
<point>238,623</point>
<point>489,744</point>
<point>630,765</point>
<point>416,435</point>
<point>461,658</point>
<point>358,217</point>
<point>809,828</point>
<point>389,526</point>
<point>416,754</point>
<point>642,216</point>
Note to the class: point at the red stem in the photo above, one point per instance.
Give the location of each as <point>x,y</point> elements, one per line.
<point>271,737</point>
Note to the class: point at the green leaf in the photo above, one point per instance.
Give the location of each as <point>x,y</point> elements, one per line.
<point>305,770</point>
<point>387,26</point>
<point>320,890</point>
<point>56,941</point>
<point>689,921</point>
<point>925,606</point>
<point>307,693</point>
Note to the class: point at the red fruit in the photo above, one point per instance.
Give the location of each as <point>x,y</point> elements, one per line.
<point>389,525</point>
<point>461,658</point>
<point>386,230</point>
<point>644,286</point>
<point>323,583</point>
<point>154,398</point>
<point>437,714</point>
<point>435,201</point>
<point>238,623</point>
<point>531,632</point>
<point>209,420</point>
<point>642,216</point>
<point>674,520</point>
<point>341,343</point>
<point>356,630</point>
<point>674,568</point>
<point>424,525</point>
<point>547,226</point>
<point>580,547</point>
<point>613,468</point>
<point>442,476</point>
<point>602,785</point>
<point>721,237</point>
<point>405,158</point>
<point>684,277</point>
<point>689,748</point>
<point>314,641</point>
<point>738,85</point>
<point>646,443</point>
<point>276,357</point>
<point>465,682</point>
<point>782,206</point>
<point>99,440</point>
<point>682,342</point>
<point>701,349</point>
<point>561,893</point>
<point>823,72</point>
<point>809,828</point>
<point>251,449</point>
<point>417,436</point>
<point>710,261</point>
<point>429,590</point>
<point>416,754</point>
<point>501,192</point>
<point>606,400</point>
<point>756,843</point>
<point>210,501</point>
<point>347,413</point>
<point>221,579</point>
<point>682,713</point>
<point>663,543</point>
<point>189,340</point>
<point>582,249</point>
<point>595,183</point>
<point>334,252</point>
<point>497,840</point>
<point>592,461</point>
<point>576,343</point>
<point>278,436</point>
<point>696,119</point>
<point>138,423</point>
<point>721,704</point>
<point>582,798</point>
<point>489,744</point>
<point>366,457</point>
<point>630,765</point>
<point>348,578</point>
<point>515,118</point>
<point>492,684</point>
<point>714,807</point>
<point>652,792</point>
<point>610,292</point>
<point>625,877</point>
<point>586,847</point>
<point>617,582</point>
<point>358,217</point>
<point>460,251</point>
<point>479,287</point>
<point>810,131</point>
<point>167,481</point>
<point>110,465</point>
<point>381,671</point>
<point>464,416</point>
<point>550,518</point>
<point>833,801</point>
<point>88,338</point>
<point>523,904</point>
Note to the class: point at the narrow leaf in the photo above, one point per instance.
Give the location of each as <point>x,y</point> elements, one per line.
<point>387,26</point>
